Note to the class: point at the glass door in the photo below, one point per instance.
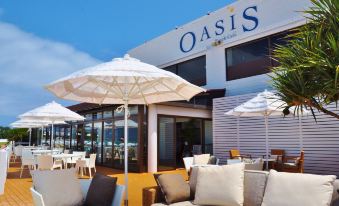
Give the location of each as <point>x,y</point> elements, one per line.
<point>97,140</point>
<point>208,137</point>
<point>88,138</point>
<point>188,138</point>
<point>166,143</point>
<point>108,143</point>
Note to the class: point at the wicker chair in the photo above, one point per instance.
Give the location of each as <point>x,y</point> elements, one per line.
<point>235,154</point>
<point>294,164</point>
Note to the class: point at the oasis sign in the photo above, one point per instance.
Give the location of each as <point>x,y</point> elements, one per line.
<point>189,40</point>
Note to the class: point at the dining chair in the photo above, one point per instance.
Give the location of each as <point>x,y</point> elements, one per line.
<point>45,162</point>
<point>90,163</point>
<point>27,159</point>
<point>73,160</point>
<point>188,162</point>
<point>294,163</point>
<point>279,155</point>
<point>17,152</point>
<point>235,154</point>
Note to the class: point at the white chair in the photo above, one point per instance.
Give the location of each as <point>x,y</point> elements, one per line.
<point>73,160</point>
<point>258,164</point>
<point>27,159</point>
<point>233,161</point>
<point>188,162</point>
<point>17,152</point>
<point>90,163</point>
<point>117,198</point>
<point>45,162</point>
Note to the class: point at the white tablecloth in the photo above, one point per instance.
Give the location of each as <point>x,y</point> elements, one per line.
<point>3,170</point>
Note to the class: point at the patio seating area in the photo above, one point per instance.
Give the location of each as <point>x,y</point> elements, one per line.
<point>17,190</point>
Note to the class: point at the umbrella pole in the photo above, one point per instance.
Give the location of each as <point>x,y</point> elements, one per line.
<point>42,134</point>
<point>300,135</point>
<point>126,150</point>
<point>266,140</point>
<point>30,136</point>
<point>52,136</point>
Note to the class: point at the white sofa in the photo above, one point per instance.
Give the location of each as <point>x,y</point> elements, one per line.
<point>117,200</point>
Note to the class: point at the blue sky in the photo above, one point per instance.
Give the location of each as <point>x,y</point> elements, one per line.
<point>43,40</point>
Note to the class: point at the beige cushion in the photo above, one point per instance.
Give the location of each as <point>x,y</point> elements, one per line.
<point>193,180</point>
<point>222,185</point>
<point>201,159</point>
<point>174,188</point>
<point>185,203</point>
<point>254,187</point>
<point>58,187</point>
<point>289,189</point>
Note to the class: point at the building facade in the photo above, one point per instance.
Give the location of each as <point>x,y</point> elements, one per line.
<point>228,52</point>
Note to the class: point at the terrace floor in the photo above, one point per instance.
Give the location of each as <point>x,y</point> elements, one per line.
<point>17,190</point>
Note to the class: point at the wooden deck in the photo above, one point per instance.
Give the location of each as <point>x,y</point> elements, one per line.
<point>17,190</point>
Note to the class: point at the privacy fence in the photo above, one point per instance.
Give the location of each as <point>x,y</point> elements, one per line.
<point>320,140</point>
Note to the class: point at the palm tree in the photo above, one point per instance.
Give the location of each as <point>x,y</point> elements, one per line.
<point>307,75</point>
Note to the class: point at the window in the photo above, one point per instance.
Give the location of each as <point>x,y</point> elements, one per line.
<point>252,58</point>
<point>247,60</point>
<point>193,70</point>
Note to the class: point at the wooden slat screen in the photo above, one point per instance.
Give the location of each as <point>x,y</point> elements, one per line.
<point>320,140</point>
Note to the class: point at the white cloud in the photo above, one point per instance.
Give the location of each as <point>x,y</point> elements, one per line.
<point>27,63</point>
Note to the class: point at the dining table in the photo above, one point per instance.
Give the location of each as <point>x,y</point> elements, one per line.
<point>66,157</point>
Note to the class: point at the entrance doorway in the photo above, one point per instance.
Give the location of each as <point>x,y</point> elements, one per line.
<point>180,137</point>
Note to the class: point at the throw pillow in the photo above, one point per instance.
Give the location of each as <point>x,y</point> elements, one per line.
<point>201,159</point>
<point>298,189</point>
<point>222,185</point>
<point>174,188</point>
<point>101,190</point>
<point>58,187</point>
<point>193,180</point>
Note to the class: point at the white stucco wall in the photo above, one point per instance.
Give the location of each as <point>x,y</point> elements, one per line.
<point>273,16</point>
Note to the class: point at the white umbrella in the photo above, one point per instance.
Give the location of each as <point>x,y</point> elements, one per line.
<point>124,81</point>
<point>51,113</point>
<point>264,104</point>
<point>33,123</point>
<point>121,123</point>
<point>28,126</point>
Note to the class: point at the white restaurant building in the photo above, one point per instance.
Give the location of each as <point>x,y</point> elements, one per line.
<point>228,53</point>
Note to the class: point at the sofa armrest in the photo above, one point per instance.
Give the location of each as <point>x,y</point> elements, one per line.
<point>335,196</point>
<point>37,198</point>
<point>151,195</point>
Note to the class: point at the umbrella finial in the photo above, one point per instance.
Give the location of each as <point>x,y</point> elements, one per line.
<point>127,56</point>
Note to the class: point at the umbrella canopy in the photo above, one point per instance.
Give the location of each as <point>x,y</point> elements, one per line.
<point>33,123</point>
<point>27,125</point>
<point>121,123</point>
<point>124,81</point>
<point>51,113</point>
<point>264,104</point>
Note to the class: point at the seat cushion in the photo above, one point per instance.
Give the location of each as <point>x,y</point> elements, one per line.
<point>254,187</point>
<point>185,203</point>
<point>298,189</point>
<point>223,185</point>
<point>201,159</point>
<point>101,190</point>
<point>58,187</point>
<point>174,188</point>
